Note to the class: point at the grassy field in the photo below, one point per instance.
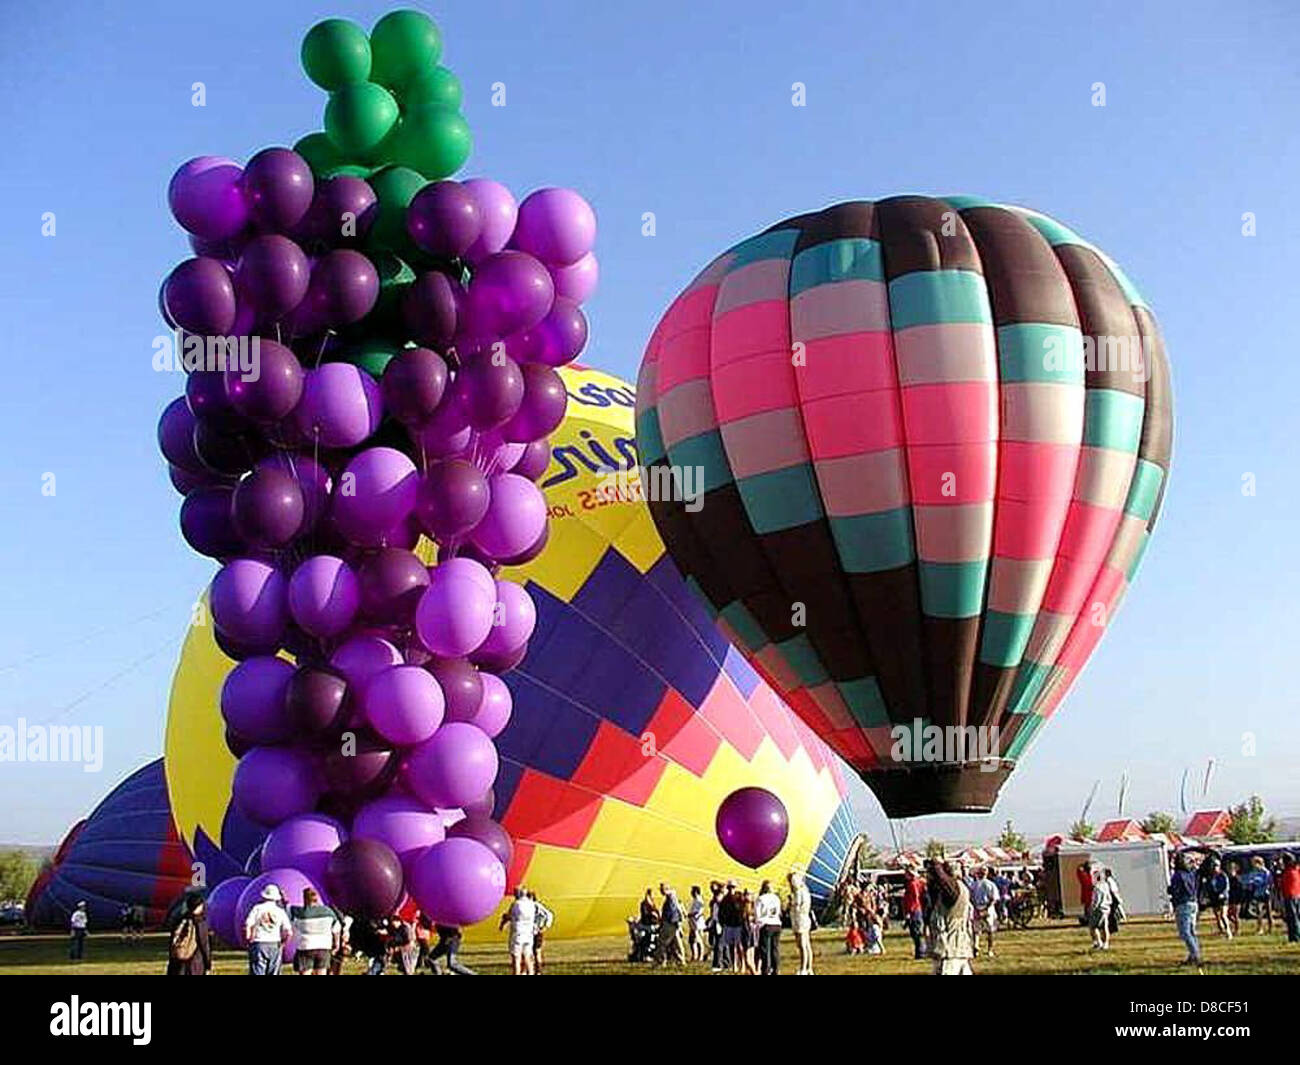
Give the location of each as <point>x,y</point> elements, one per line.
<point>1057,947</point>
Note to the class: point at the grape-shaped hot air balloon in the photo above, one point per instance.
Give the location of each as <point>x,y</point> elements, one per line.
<point>918,446</point>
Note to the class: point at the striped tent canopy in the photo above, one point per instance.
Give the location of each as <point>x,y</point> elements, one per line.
<point>933,437</point>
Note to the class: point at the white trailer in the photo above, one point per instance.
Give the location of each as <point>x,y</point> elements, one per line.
<point>1141,867</point>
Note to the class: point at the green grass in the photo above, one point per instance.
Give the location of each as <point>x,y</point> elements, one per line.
<point>1054,947</point>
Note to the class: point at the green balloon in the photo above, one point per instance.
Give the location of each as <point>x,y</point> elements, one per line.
<point>359,117</point>
<point>432,141</point>
<point>372,356</point>
<point>395,187</point>
<point>320,153</point>
<point>349,170</point>
<point>395,277</point>
<point>402,45</point>
<point>335,53</point>
<point>437,88</point>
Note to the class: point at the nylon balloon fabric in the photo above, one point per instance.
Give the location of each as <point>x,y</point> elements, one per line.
<point>932,437</point>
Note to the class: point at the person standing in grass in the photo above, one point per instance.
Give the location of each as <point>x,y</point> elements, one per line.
<point>1259,894</point>
<point>522,919</point>
<point>189,952</point>
<point>767,912</point>
<point>79,925</point>
<point>1099,915</point>
<point>1085,880</point>
<point>1182,895</point>
<point>984,897</point>
<point>1236,896</point>
<point>1216,893</point>
<point>695,924</point>
<point>801,918</point>
<point>1289,888</point>
<point>317,929</point>
<point>951,944</point>
<point>267,929</point>
<point>914,910</point>
<point>448,946</point>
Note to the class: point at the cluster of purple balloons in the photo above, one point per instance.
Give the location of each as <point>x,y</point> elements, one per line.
<point>391,406</point>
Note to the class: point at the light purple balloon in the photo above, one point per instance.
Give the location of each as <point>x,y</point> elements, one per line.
<point>324,595</point>
<point>515,518</point>
<point>361,657</point>
<point>493,713</point>
<point>405,824</point>
<point>272,784</point>
<point>577,281</point>
<point>252,699</point>
<point>222,902</point>
<point>377,493</point>
<point>291,884</point>
<point>403,704</point>
<point>498,210</point>
<point>454,615</point>
<point>509,291</point>
<point>304,843</point>
<point>340,403</point>
<point>457,882</point>
<point>555,225</point>
<point>513,621</point>
<point>249,602</point>
<point>455,766</point>
<point>205,197</point>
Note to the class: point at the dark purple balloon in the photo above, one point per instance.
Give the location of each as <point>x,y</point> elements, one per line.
<point>316,701</point>
<point>444,219</point>
<point>430,309</point>
<point>452,499</point>
<point>341,214</point>
<point>206,198</point>
<point>273,274</point>
<point>278,188</point>
<point>176,436</point>
<point>488,832</point>
<point>364,878</point>
<point>542,409</point>
<point>225,453</point>
<point>199,296</point>
<point>462,687</point>
<point>362,769</point>
<point>313,480</point>
<point>392,582</point>
<point>490,389</point>
<point>559,337</point>
<point>268,508</point>
<point>185,482</point>
<point>752,825</point>
<point>275,390</point>
<point>413,385</point>
<point>207,523</point>
<point>344,287</point>
<point>535,460</point>
<point>205,392</point>
<point>483,806</point>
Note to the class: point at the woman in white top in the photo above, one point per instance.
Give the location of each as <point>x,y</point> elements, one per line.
<point>1099,916</point>
<point>801,920</point>
<point>695,923</point>
<point>767,915</point>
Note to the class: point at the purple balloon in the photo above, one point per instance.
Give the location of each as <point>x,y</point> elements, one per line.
<point>513,622</point>
<point>577,281</point>
<point>403,823</point>
<point>249,602</point>
<point>482,806</point>
<point>403,704</point>
<point>455,766</point>
<point>361,657</point>
<point>176,436</point>
<point>274,390</point>
<point>344,288</point>
<point>364,878</point>
<point>542,410</point>
<point>559,337</point>
<point>340,404</point>
<point>752,825</point>
<point>556,225</point>
<point>413,385</point>
<point>431,309</point>
<point>222,901</point>
<point>324,595</point>
<point>383,484</point>
<point>487,832</point>
<point>253,699</point>
<point>392,581</point>
<point>205,197</point>
<point>304,843</point>
<point>278,188</point>
<point>341,213</point>
<point>457,882</point>
<point>199,296</point>
<point>273,274</point>
<point>462,687</point>
<point>452,499</point>
<point>497,213</point>
<point>206,522</point>
<point>291,883</point>
<point>205,392</point>
<point>535,460</point>
<point>226,452</point>
<point>490,389</point>
<point>446,433</point>
<point>509,291</point>
<point>493,713</point>
<point>515,518</point>
<point>316,701</point>
<point>272,784</point>
<point>530,552</point>
<point>363,768</point>
<point>454,615</point>
<point>267,508</point>
<point>444,219</point>
<point>313,481</point>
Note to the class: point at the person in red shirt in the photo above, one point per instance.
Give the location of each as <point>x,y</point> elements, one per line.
<point>914,910</point>
<point>1289,885</point>
<point>1084,875</point>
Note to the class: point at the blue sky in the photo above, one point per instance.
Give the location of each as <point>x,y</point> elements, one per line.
<point>685,112</point>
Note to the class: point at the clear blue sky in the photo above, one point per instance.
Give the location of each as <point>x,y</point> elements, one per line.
<point>683,109</point>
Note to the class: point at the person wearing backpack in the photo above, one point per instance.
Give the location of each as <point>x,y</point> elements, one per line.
<point>190,951</point>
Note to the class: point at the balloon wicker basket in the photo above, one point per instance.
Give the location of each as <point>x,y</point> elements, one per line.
<point>940,787</point>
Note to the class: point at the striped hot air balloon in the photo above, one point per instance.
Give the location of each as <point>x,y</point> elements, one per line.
<point>633,716</point>
<point>933,437</point>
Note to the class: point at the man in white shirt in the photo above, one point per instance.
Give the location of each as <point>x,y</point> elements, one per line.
<point>78,924</point>
<point>984,900</point>
<point>267,929</point>
<point>522,919</point>
<point>801,919</point>
<point>767,914</point>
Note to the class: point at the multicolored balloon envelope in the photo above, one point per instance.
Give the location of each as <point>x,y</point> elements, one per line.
<point>633,717</point>
<point>126,853</point>
<point>931,438</point>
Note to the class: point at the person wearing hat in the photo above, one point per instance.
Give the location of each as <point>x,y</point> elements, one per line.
<point>267,928</point>
<point>801,917</point>
<point>79,924</point>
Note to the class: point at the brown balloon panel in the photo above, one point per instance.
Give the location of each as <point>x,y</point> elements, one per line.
<point>937,788</point>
